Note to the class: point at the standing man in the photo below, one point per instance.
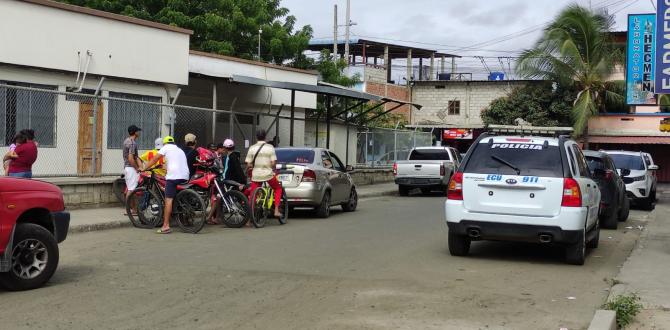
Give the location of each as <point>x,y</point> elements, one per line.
<point>262,160</point>
<point>23,157</point>
<point>232,166</point>
<point>191,153</point>
<point>177,174</point>
<point>131,161</point>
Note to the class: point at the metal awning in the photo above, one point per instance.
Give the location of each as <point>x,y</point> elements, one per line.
<point>324,89</point>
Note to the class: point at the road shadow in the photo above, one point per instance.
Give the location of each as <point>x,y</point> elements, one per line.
<point>519,252</point>
<point>65,274</point>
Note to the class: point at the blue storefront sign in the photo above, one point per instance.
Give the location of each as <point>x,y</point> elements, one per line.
<point>663,47</point>
<point>641,52</point>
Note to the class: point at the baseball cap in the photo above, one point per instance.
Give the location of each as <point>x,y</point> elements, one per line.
<point>168,139</point>
<point>229,144</point>
<point>132,129</point>
<point>189,138</point>
<point>158,143</point>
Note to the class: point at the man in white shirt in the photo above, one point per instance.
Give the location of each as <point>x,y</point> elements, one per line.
<point>177,174</point>
<point>262,159</point>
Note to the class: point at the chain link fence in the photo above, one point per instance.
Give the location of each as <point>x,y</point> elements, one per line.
<point>82,134</point>
<point>380,147</point>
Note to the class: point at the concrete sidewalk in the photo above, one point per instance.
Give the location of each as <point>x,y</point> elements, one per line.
<point>84,220</point>
<point>646,272</point>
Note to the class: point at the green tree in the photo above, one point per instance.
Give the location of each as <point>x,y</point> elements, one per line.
<point>228,27</point>
<point>537,103</point>
<point>576,52</point>
<point>332,71</point>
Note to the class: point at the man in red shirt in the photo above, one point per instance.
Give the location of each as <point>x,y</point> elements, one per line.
<point>23,158</point>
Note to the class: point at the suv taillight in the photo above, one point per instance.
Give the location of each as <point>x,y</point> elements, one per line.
<point>395,168</point>
<point>308,176</point>
<point>455,191</point>
<point>442,170</point>
<point>572,195</point>
<point>609,174</point>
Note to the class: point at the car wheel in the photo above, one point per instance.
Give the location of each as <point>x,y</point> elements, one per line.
<point>323,210</point>
<point>576,253</point>
<point>648,203</point>
<point>593,243</point>
<point>610,220</point>
<point>34,258</point>
<point>459,245</point>
<point>625,210</point>
<point>352,204</point>
<point>403,190</point>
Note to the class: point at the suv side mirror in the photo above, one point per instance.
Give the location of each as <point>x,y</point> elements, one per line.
<point>598,173</point>
<point>653,167</point>
<point>349,168</point>
<point>625,172</point>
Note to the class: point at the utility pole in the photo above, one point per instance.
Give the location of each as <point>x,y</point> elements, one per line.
<point>259,43</point>
<point>335,34</point>
<point>346,31</point>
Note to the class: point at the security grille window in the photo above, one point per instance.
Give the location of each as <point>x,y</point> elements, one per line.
<point>454,108</point>
<point>22,109</point>
<point>125,113</point>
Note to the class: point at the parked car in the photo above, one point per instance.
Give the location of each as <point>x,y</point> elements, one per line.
<point>641,181</point>
<point>317,179</point>
<point>427,168</point>
<point>524,188</point>
<point>614,205</point>
<point>33,221</point>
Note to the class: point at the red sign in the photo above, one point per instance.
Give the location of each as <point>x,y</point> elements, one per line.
<point>457,134</point>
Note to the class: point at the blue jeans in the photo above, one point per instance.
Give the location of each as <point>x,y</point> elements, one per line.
<point>27,175</point>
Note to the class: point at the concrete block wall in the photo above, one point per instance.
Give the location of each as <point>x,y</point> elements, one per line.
<point>372,176</point>
<point>375,74</point>
<point>475,96</point>
<point>391,91</point>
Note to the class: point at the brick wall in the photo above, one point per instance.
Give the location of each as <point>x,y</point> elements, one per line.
<point>474,96</point>
<point>391,91</point>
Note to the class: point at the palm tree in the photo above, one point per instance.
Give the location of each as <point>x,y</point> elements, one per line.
<point>576,52</point>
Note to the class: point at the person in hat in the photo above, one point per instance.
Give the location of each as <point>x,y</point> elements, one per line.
<point>261,160</point>
<point>177,174</point>
<point>149,155</point>
<point>131,161</point>
<point>189,149</point>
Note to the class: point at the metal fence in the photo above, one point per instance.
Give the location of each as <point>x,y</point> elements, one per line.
<point>380,147</point>
<point>82,134</point>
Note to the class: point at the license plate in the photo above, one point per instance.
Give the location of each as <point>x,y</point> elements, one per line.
<point>285,177</point>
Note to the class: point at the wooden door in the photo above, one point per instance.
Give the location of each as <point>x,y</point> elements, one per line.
<point>85,140</point>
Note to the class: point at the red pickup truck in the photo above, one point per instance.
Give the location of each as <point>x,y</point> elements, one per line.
<point>33,221</point>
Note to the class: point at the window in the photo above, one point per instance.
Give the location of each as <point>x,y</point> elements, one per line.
<point>454,108</point>
<point>429,154</point>
<point>489,159</point>
<point>21,109</point>
<point>337,163</point>
<point>295,156</point>
<point>631,162</point>
<point>325,159</point>
<point>584,171</point>
<point>125,113</point>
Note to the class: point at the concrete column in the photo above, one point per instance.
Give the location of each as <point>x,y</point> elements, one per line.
<point>214,103</point>
<point>442,63</point>
<point>420,68</point>
<point>387,63</point>
<point>453,65</point>
<point>431,71</point>
<point>409,66</point>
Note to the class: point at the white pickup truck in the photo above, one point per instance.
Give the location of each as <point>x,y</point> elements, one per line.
<point>427,168</point>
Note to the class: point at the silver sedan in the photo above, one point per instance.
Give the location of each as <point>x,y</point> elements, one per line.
<point>317,178</point>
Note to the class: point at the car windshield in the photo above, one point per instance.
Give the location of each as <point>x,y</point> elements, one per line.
<point>595,163</point>
<point>535,161</point>
<point>429,154</point>
<point>295,156</point>
<point>631,162</point>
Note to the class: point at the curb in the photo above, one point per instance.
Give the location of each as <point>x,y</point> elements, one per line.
<point>378,194</point>
<point>603,320</point>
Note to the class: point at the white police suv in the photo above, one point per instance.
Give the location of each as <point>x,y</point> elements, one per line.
<point>524,188</point>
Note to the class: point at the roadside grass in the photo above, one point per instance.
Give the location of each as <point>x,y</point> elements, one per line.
<point>626,307</point>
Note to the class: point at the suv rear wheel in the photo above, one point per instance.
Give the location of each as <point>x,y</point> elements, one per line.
<point>625,209</point>
<point>576,253</point>
<point>34,258</point>
<point>459,245</point>
<point>611,220</point>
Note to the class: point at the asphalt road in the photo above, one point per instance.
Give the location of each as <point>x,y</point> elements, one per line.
<point>384,266</point>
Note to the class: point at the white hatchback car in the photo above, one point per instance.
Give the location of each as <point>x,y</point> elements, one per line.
<point>521,188</point>
<point>641,182</point>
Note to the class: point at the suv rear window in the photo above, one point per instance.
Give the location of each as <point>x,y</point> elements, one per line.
<point>631,162</point>
<point>538,161</point>
<point>429,154</point>
<point>595,163</point>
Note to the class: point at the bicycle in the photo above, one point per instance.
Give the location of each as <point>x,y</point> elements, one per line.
<point>262,203</point>
<point>189,210</point>
<point>233,206</point>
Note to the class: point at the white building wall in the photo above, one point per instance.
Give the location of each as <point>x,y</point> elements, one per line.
<point>474,97</point>
<point>45,37</point>
<point>338,139</point>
